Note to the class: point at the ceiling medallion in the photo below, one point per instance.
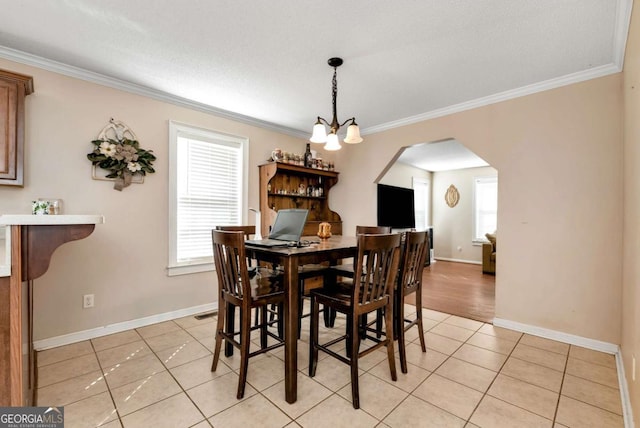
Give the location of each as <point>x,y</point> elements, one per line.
<point>452,196</point>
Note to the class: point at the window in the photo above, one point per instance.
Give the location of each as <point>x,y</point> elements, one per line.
<point>485,210</point>
<point>422,201</point>
<point>207,187</point>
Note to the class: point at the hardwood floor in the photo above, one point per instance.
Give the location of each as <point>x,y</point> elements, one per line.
<point>458,289</point>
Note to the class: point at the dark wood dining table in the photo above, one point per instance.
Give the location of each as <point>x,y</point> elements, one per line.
<point>290,258</point>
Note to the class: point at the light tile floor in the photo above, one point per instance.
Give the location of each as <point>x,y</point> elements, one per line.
<point>472,375</point>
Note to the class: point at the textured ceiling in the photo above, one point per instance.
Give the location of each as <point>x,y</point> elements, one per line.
<point>405,60</point>
<point>441,156</point>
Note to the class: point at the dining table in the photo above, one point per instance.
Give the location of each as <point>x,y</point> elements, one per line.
<point>313,250</point>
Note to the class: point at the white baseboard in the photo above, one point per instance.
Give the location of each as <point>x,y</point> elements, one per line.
<point>445,259</point>
<point>66,339</point>
<point>584,342</point>
<point>627,412</point>
<point>571,339</point>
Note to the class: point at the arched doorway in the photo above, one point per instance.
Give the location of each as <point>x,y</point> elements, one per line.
<point>455,195</point>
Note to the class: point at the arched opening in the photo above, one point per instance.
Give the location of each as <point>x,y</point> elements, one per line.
<point>455,194</point>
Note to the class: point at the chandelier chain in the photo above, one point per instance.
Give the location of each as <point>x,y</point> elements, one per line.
<point>334,93</point>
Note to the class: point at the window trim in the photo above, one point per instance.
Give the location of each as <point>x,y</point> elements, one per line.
<point>181,129</point>
<point>429,197</point>
<point>486,179</point>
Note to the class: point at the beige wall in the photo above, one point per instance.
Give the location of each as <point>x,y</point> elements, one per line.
<point>559,221</point>
<point>453,227</point>
<point>401,175</point>
<point>124,261</point>
<point>631,267</point>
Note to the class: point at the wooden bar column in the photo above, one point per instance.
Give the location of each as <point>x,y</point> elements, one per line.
<point>31,250</point>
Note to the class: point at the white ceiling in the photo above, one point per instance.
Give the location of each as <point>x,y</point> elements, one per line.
<point>441,156</point>
<point>264,62</point>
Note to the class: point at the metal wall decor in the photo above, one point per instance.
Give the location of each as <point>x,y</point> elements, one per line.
<point>118,155</point>
<point>452,196</point>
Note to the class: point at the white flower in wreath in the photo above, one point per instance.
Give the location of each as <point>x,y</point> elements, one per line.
<point>107,149</point>
<point>134,167</point>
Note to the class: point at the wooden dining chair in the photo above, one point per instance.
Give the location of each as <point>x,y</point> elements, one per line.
<point>372,288</point>
<point>412,260</point>
<point>347,271</point>
<point>248,232</point>
<point>237,290</point>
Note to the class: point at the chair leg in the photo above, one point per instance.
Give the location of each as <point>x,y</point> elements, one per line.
<point>245,336</point>
<point>379,316</point>
<point>230,328</point>
<point>388,320</point>
<point>399,327</point>
<point>329,317</point>
<point>219,331</point>
<point>354,345</point>
<point>313,337</point>
<point>362,331</point>
<point>300,306</point>
<point>349,333</point>
<point>263,327</point>
<point>280,322</point>
<point>419,318</point>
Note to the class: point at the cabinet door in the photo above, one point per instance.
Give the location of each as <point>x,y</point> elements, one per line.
<point>10,170</point>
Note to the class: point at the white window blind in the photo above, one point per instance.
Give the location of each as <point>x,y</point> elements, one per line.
<point>208,191</point>
<point>485,207</point>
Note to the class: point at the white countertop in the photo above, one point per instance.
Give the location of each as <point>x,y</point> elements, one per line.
<point>28,219</point>
<point>34,220</point>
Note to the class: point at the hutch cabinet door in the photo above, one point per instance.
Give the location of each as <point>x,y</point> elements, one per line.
<point>13,89</point>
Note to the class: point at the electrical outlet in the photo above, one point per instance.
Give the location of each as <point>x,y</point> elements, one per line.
<point>87,301</point>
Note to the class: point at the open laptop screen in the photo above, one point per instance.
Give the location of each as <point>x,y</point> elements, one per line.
<point>289,224</point>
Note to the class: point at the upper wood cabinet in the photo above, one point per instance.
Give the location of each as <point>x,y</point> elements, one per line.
<point>13,90</point>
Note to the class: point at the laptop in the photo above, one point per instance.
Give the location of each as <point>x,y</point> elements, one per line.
<point>286,229</point>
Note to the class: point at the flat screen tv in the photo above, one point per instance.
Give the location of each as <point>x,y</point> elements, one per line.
<point>396,207</point>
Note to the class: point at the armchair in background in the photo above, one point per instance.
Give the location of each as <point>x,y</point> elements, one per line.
<point>489,254</point>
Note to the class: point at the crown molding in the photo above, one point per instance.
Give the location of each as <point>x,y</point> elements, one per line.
<point>111,82</point>
<point>569,79</point>
<point>621,32</point>
<point>623,19</point>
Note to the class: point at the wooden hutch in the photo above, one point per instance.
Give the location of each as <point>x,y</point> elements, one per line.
<point>284,186</point>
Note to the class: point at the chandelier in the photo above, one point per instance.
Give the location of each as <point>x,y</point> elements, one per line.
<point>320,133</point>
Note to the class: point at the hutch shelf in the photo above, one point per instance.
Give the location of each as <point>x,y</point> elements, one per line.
<point>284,186</point>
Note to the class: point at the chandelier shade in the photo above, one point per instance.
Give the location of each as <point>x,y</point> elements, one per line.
<point>353,134</point>
<point>331,140</point>
<point>333,143</point>
<point>319,133</point>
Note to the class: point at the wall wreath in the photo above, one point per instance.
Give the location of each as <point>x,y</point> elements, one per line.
<point>118,152</point>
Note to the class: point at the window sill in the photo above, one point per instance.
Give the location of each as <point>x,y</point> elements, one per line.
<point>189,269</point>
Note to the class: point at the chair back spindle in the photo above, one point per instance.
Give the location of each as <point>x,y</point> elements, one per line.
<point>376,268</point>
<point>414,256</point>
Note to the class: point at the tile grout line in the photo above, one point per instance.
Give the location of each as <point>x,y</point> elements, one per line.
<point>493,381</point>
<point>431,373</point>
<point>113,401</point>
<point>450,355</point>
<point>176,380</point>
<point>564,373</point>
